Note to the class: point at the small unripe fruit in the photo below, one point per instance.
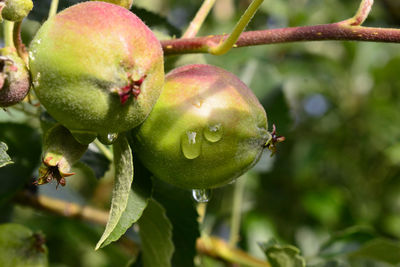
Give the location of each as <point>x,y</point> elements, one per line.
<point>60,152</point>
<point>16,10</point>
<point>14,78</point>
<point>97,69</point>
<point>206,129</point>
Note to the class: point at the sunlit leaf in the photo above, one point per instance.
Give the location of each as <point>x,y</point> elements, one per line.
<point>122,187</point>
<point>137,202</point>
<point>4,157</point>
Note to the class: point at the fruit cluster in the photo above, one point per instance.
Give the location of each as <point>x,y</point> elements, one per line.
<point>98,70</point>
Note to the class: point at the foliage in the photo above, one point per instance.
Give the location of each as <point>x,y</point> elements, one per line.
<point>330,195</point>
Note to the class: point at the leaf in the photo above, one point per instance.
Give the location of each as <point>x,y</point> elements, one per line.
<point>122,186</point>
<point>19,246</point>
<point>4,157</point>
<point>347,241</point>
<point>379,249</point>
<point>184,220</point>
<point>283,255</point>
<point>156,235</point>
<point>137,202</point>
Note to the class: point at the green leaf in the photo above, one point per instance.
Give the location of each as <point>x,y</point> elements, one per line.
<point>4,157</point>
<point>184,221</point>
<point>137,202</point>
<point>156,236</point>
<point>283,255</point>
<point>379,249</point>
<point>346,241</point>
<point>123,162</point>
<point>19,246</point>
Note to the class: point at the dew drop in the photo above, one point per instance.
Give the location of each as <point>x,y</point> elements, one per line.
<point>108,139</point>
<point>36,80</point>
<point>111,137</point>
<point>31,56</point>
<point>201,195</point>
<point>198,102</point>
<point>191,144</point>
<point>213,133</point>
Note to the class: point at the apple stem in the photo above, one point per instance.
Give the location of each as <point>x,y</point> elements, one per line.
<point>229,42</point>
<point>19,45</point>
<point>198,20</point>
<point>361,14</point>
<point>8,33</point>
<point>53,8</point>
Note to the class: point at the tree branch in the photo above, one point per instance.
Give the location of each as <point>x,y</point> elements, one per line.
<point>63,208</point>
<point>210,246</point>
<point>336,31</point>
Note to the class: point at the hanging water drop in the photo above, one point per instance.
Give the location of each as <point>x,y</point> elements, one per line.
<point>213,133</point>
<point>201,195</point>
<point>111,137</point>
<point>108,139</point>
<point>191,144</point>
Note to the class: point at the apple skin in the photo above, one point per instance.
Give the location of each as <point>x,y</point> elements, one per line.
<point>206,129</point>
<point>14,78</point>
<point>82,61</point>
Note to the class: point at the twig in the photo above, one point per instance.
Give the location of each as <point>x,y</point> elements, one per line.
<point>198,20</point>
<point>209,246</point>
<point>103,149</point>
<point>335,31</point>
<point>217,248</point>
<point>347,30</point>
<point>63,208</point>
<point>236,212</point>
<point>361,14</point>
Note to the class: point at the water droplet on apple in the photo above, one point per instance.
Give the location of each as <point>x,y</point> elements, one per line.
<point>191,144</point>
<point>201,195</point>
<point>111,137</point>
<point>213,133</point>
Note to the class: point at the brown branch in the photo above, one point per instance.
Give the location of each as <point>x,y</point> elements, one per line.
<point>210,246</point>
<point>219,249</point>
<point>335,31</point>
<point>63,208</point>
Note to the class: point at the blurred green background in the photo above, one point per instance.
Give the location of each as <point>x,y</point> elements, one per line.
<point>337,175</point>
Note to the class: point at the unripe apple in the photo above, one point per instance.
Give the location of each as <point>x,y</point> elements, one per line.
<point>14,78</point>
<point>97,69</point>
<point>60,152</point>
<point>206,129</point>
